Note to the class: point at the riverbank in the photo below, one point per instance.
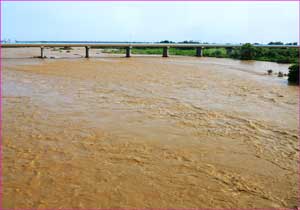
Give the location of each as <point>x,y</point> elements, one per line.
<point>146,132</point>
<point>273,55</point>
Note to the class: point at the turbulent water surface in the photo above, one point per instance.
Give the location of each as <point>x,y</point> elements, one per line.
<point>146,132</point>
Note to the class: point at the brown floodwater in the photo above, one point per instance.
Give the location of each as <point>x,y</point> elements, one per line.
<point>146,131</point>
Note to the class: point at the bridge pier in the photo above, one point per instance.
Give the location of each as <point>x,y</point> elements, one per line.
<point>87,48</point>
<point>42,52</point>
<point>128,52</point>
<point>199,51</point>
<point>165,52</point>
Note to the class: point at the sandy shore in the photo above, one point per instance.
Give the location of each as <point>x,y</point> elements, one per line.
<point>151,132</point>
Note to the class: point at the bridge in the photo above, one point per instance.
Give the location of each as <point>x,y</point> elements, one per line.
<point>128,46</point>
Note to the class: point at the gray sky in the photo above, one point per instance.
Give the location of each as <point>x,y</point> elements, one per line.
<point>219,22</point>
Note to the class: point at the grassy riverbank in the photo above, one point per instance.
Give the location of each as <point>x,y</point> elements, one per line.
<point>221,52</point>
<point>279,55</point>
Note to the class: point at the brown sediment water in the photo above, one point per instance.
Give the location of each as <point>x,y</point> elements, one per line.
<point>151,132</point>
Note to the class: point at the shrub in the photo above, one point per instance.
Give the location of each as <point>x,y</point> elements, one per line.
<point>293,75</point>
<point>218,53</point>
<point>247,52</point>
<point>282,59</point>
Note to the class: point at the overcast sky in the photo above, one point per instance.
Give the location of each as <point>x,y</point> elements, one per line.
<point>220,22</point>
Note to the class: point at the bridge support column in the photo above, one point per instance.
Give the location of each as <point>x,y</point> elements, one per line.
<point>87,48</point>
<point>128,52</point>
<point>199,51</point>
<point>42,52</point>
<point>165,52</point>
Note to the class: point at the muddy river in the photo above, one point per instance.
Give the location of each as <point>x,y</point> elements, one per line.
<point>146,132</point>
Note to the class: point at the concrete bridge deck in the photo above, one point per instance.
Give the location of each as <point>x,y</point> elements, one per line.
<point>129,46</point>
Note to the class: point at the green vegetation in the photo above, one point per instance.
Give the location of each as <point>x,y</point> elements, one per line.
<point>215,52</point>
<point>246,52</point>
<point>250,52</point>
<point>280,55</point>
<point>293,76</point>
<point>153,51</point>
<point>211,52</point>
